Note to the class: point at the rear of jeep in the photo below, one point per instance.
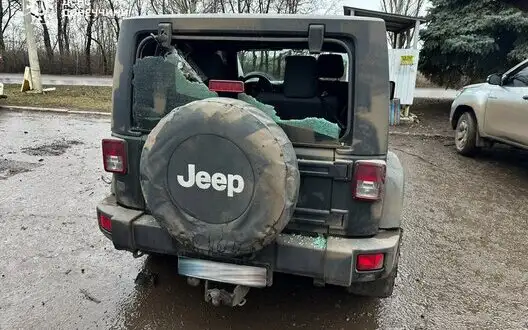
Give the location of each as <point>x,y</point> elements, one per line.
<point>247,145</point>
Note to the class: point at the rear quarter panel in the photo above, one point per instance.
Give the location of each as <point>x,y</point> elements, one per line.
<point>391,216</point>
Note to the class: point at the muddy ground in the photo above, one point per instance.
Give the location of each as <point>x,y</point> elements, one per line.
<point>433,118</point>
<point>463,256</point>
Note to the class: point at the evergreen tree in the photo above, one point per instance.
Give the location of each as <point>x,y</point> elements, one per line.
<point>470,39</point>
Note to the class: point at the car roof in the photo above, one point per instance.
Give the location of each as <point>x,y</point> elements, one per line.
<point>246,23</point>
<point>264,17</point>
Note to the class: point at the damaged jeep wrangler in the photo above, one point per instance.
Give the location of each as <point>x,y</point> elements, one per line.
<point>246,145</point>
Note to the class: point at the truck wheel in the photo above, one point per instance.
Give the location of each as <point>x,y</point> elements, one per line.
<point>466,135</point>
<point>381,288</point>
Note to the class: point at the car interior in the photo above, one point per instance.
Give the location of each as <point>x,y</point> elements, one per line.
<point>312,86</point>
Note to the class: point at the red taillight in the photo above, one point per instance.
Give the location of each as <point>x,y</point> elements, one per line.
<point>230,86</point>
<point>368,181</point>
<point>105,222</point>
<point>369,261</point>
<point>114,156</point>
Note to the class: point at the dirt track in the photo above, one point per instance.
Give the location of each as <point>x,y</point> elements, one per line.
<point>463,258</point>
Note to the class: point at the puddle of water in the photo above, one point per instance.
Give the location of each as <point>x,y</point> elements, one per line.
<point>8,168</point>
<point>55,148</point>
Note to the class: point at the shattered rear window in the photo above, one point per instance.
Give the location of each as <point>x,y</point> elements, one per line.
<point>163,83</point>
<point>318,125</point>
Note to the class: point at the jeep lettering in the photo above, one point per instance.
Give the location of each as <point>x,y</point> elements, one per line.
<point>203,180</point>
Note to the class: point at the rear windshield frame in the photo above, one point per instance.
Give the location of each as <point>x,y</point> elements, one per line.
<point>345,43</point>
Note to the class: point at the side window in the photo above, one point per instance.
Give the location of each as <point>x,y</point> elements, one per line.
<point>519,80</point>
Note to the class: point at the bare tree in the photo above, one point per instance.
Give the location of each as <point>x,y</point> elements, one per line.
<point>60,26</point>
<point>88,47</point>
<point>7,12</point>
<point>102,49</point>
<point>402,7</point>
<point>179,6</point>
<point>45,30</point>
<point>137,7</point>
<point>92,50</point>
<point>115,19</point>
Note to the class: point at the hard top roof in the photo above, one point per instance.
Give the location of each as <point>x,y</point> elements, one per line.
<point>264,17</point>
<point>264,24</point>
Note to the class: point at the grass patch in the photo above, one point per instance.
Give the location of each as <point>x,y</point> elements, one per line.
<point>88,98</point>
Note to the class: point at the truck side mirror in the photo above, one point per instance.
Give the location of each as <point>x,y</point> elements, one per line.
<point>495,79</point>
<point>392,87</point>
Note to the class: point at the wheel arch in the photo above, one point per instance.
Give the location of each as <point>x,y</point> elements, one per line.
<point>459,111</point>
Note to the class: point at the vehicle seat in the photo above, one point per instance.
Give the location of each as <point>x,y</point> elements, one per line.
<point>334,93</point>
<point>301,95</point>
<point>212,66</point>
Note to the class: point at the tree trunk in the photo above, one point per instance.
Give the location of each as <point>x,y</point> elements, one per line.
<point>279,66</point>
<point>274,64</point>
<point>2,44</point>
<point>47,40</point>
<point>45,32</point>
<point>254,58</point>
<point>103,55</point>
<point>242,59</point>
<point>116,19</point>
<point>66,35</point>
<point>88,47</point>
<point>60,33</point>
<point>261,64</point>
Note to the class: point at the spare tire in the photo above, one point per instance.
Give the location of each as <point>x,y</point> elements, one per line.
<point>220,176</point>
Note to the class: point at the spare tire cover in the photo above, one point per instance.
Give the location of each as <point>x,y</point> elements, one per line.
<point>220,176</point>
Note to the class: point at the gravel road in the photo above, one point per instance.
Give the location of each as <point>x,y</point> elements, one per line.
<point>463,257</point>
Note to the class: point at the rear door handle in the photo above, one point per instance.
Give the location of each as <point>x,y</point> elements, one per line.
<point>525,97</point>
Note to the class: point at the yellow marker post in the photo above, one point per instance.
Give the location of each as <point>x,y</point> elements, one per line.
<point>27,83</point>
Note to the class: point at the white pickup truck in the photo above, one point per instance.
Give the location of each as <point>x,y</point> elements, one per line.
<point>495,111</point>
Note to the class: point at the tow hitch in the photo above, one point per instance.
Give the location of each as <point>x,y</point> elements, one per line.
<point>218,296</point>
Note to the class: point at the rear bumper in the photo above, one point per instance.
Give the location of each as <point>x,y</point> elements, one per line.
<point>331,260</point>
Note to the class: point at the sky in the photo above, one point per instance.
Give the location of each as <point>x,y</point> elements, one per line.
<point>365,4</point>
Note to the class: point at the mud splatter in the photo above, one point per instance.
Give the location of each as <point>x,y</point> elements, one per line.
<point>8,168</point>
<point>55,148</point>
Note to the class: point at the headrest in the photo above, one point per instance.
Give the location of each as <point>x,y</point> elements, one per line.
<point>300,77</point>
<point>212,65</point>
<point>330,66</point>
